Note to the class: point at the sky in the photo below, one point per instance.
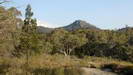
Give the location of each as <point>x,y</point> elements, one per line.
<point>105,14</point>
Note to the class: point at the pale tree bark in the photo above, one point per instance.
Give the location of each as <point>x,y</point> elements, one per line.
<point>64,52</point>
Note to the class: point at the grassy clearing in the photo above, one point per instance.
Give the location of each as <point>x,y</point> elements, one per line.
<point>18,66</point>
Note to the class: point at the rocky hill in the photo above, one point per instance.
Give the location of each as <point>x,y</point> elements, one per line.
<point>78,24</point>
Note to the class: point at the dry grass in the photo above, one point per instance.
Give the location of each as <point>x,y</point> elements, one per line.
<point>18,66</point>
<point>98,62</point>
<point>52,61</point>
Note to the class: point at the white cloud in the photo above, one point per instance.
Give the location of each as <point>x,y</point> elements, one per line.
<point>45,24</point>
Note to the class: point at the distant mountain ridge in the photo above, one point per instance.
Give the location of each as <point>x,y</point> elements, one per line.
<point>125,29</point>
<point>78,24</point>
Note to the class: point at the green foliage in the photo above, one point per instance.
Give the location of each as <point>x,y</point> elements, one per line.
<point>65,42</point>
<point>29,39</point>
<point>82,42</point>
<point>113,44</point>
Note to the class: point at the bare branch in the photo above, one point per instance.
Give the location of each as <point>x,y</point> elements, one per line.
<point>3,1</point>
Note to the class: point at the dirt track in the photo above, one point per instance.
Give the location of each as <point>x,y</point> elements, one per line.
<point>92,71</point>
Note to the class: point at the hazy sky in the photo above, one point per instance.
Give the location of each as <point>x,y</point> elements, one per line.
<point>106,14</point>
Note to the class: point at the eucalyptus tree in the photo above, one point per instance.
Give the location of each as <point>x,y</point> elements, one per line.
<point>65,42</point>
<point>9,22</point>
<point>29,42</point>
